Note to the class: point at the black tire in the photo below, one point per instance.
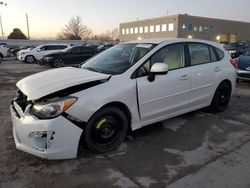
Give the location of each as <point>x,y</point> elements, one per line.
<point>30,59</point>
<point>106,130</point>
<point>58,63</point>
<point>221,97</point>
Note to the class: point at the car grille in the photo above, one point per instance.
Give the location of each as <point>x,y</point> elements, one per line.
<point>243,75</point>
<point>21,100</point>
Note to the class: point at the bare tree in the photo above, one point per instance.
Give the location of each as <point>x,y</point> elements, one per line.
<point>75,30</point>
<point>109,36</point>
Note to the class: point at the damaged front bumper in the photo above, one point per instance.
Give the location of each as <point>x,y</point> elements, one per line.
<point>56,138</point>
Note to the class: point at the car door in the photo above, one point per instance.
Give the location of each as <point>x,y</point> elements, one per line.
<point>168,94</point>
<point>204,68</point>
<point>73,56</point>
<point>86,54</point>
<point>40,52</point>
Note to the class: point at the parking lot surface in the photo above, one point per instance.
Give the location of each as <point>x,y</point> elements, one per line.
<point>197,149</point>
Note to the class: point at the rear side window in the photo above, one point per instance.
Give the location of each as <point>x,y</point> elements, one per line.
<point>87,50</point>
<point>220,53</point>
<point>76,50</point>
<point>199,53</point>
<point>56,47</point>
<point>212,54</point>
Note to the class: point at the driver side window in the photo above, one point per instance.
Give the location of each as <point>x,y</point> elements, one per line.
<point>172,55</point>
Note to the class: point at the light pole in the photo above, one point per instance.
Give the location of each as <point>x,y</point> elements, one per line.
<point>28,28</point>
<point>1,24</point>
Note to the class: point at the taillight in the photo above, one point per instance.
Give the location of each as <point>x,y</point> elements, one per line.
<point>234,62</point>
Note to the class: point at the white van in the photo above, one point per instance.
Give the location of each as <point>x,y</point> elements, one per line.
<point>124,88</point>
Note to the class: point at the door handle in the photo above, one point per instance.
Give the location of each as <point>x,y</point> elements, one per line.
<point>185,77</point>
<point>217,69</point>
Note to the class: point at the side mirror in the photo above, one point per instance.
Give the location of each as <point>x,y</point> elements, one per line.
<point>157,69</point>
<point>39,50</point>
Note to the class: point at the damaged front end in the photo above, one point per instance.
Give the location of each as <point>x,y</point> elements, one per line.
<point>40,129</point>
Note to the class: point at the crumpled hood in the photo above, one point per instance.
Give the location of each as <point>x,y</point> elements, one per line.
<point>44,83</point>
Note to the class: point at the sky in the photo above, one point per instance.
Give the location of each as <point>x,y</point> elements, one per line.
<point>48,17</point>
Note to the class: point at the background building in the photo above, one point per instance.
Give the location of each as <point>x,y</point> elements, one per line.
<point>186,26</point>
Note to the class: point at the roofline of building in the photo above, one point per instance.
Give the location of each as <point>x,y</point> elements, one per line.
<point>146,19</point>
<point>185,15</point>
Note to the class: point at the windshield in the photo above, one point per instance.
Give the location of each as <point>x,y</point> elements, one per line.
<point>67,49</point>
<point>118,59</point>
<point>38,47</point>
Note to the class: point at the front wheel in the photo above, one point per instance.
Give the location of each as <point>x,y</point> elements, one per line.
<point>58,63</point>
<point>106,130</point>
<point>221,97</point>
<point>30,59</point>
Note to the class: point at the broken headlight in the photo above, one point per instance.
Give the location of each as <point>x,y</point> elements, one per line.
<point>52,109</point>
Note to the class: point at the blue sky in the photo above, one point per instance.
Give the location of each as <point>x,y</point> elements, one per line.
<point>48,17</point>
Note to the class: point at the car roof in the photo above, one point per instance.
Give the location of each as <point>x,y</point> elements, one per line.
<point>172,40</point>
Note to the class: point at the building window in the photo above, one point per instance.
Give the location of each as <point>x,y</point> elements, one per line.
<point>195,28</point>
<point>157,28</point>
<point>136,30</point>
<point>146,29</point>
<point>211,28</point>
<point>127,31</point>
<point>171,27</point>
<point>184,27</point>
<point>141,30</point>
<point>200,28</point>
<point>206,28</point>
<point>152,28</point>
<point>123,32</point>
<point>164,27</point>
<point>190,27</point>
<point>131,30</point>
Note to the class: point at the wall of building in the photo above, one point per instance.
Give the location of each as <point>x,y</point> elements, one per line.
<point>138,29</point>
<point>213,29</point>
<point>186,26</point>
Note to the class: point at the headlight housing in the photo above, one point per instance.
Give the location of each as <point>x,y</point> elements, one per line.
<point>48,58</point>
<point>52,109</point>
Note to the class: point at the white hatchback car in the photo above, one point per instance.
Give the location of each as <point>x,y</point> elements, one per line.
<point>124,88</point>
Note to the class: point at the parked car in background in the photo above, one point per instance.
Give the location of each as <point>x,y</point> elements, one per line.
<point>14,51</point>
<point>122,89</point>
<point>69,56</point>
<point>3,51</point>
<point>36,54</point>
<point>103,47</point>
<point>234,49</point>
<point>242,65</point>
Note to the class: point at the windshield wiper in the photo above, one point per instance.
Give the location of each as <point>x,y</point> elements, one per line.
<point>92,69</point>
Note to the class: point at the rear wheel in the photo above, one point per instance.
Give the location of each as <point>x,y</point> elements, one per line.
<point>221,97</point>
<point>30,59</point>
<point>106,130</point>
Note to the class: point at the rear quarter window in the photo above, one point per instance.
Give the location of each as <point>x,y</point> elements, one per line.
<point>220,53</point>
